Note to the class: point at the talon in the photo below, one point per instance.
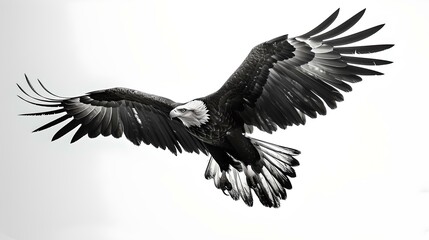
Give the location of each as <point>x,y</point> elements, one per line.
<point>226,193</point>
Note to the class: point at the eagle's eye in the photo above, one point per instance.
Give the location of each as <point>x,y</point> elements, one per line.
<point>182,110</point>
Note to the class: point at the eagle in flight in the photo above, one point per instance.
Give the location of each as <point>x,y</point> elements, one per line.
<point>280,82</point>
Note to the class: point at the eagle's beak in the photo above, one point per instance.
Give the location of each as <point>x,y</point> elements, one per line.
<point>174,113</point>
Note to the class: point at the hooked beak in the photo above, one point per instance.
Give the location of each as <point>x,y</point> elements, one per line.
<point>174,113</point>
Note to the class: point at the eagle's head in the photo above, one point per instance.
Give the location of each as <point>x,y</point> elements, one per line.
<point>193,113</point>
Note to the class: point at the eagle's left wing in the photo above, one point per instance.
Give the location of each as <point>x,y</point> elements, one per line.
<point>142,117</point>
<point>285,78</point>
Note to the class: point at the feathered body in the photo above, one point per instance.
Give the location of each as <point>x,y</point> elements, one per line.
<point>215,129</point>
<point>279,83</point>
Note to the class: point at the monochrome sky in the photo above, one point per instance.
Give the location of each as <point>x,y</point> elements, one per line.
<point>364,166</point>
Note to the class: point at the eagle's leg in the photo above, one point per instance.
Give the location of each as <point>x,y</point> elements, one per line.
<point>218,167</point>
<point>266,168</point>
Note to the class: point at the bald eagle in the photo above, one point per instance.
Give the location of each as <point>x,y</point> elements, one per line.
<point>280,82</point>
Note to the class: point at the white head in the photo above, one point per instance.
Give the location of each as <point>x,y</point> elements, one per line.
<point>193,113</point>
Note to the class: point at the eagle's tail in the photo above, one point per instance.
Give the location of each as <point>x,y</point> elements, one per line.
<point>268,177</point>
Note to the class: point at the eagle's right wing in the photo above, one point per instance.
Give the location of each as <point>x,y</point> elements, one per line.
<point>142,117</point>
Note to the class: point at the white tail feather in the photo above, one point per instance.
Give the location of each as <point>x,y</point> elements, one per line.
<point>268,177</point>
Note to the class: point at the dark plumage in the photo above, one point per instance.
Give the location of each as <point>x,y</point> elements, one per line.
<point>279,82</point>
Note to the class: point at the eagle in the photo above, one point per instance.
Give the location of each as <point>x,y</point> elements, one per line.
<point>279,83</point>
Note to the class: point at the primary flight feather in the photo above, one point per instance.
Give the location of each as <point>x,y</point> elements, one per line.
<point>278,84</point>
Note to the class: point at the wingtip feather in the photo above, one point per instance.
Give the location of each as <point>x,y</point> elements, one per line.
<point>340,28</point>
<point>322,26</point>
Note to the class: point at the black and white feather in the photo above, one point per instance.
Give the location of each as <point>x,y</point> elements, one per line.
<point>284,78</point>
<point>279,83</point>
<point>140,116</point>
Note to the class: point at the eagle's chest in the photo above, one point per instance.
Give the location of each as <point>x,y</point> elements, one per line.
<point>214,131</point>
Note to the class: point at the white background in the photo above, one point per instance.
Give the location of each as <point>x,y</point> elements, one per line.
<point>364,167</point>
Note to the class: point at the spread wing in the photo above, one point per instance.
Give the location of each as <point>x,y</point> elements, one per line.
<point>140,116</point>
<point>284,79</point>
